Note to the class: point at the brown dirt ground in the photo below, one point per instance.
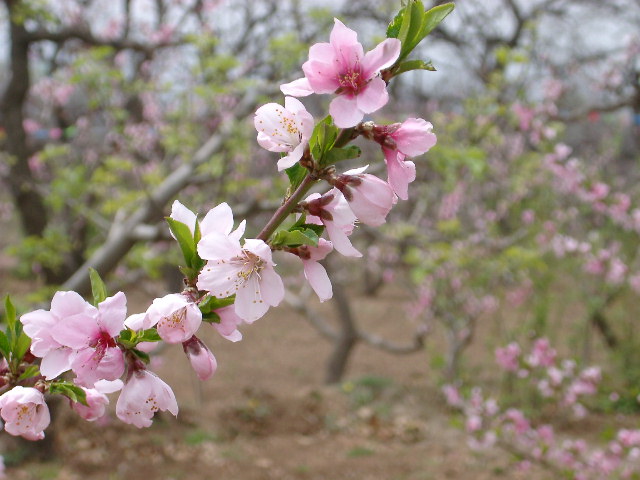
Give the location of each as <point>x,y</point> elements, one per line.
<point>266,415</point>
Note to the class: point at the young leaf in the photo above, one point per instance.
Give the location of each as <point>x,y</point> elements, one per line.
<point>210,303</point>
<point>21,346</point>
<point>296,175</point>
<point>409,65</point>
<point>295,238</point>
<point>29,372</point>
<point>339,154</point>
<point>433,17</point>
<point>73,392</point>
<point>149,335</point>
<point>98,288</point>
<point>9,313</point>
<point>5,348</point>
<point>185,240</point>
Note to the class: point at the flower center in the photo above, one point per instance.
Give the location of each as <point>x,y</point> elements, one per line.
<point>251,264</point>
<point>351,81</point>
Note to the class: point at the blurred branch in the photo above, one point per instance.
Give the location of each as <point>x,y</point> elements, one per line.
<point>120,238</point>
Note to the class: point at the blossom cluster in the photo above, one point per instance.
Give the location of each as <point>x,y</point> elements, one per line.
<point>561,386</point>
<point>230,280</point>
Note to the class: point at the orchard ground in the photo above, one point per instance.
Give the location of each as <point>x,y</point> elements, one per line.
<point>267,415</point>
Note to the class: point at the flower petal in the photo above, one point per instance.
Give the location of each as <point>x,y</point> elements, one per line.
<point>297,88</point>
<point>382,56</point>
<point>318,279</point>
<point>345,112</point>
<point>373,97</point>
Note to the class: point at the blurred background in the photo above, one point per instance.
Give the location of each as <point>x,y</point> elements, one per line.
<point>519,243</point>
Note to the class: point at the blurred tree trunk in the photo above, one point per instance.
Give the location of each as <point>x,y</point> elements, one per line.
<point>347,335</point>
<point>22,185</point>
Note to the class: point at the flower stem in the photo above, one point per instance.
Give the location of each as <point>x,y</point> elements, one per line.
<point>286,208</point>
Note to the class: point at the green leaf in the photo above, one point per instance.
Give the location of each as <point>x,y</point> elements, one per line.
<point>211,303</point>
<point>149,335</point>
<point>296,175</point>
<point>339,154</point>
<point>9,313</point>
<point>433,17</point>
<point>185,240</point>
<point>98,288</point>
<point>21,346</point>
<point>393,30</point>
<point>211,317</point>
<point>323,138</point>
<point>412,24</point>
<point>141,355</point>
<point>29,372</point>
<point>73,392</point>
<point>295,238</point>
<point>409,65</point>
<point>5,348</point>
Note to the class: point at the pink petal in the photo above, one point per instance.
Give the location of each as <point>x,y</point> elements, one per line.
<point>113,311</point>
<point>322,77</point>
<point>271,286</point>
<point>291,159</point>
<point>219,279</point>
<point>345,112</point>
<point>216,246</point>
<point>318,279</point>
<point>218,219</point>
<point>66,304</point>
<point>249,304</point>
<point>414,137</point>
<point>297,88</point>
<point>346,46</point>
<point>384,55</point>
<point>341,241</point>
<point>56,362</point>
<point>400,173</point>
<point>373,97</point>
<point>260,248</point>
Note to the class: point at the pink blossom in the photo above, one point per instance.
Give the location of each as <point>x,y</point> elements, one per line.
<point>96,407</point>
<point>508,357</point>
<point>314,272</point>
<point>285,130</point>
<point>332,211</point>
<point>40,325</point>
<point>542,354</point>
<point>25,413</point>
<point>142,396</point>
<point>452,396</point>
<point>342,67</point>
<point>202,360</point>
<point>96,354</point>
<point>410,138</point>
<point>245,271</point>
<point>369,198</point>
<point>219,219</point>
<point>228,326</point>
<point>175,317</point>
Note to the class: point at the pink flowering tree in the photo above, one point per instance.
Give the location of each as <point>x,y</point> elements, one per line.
<point>86,350</point>
<point>547,390</point>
